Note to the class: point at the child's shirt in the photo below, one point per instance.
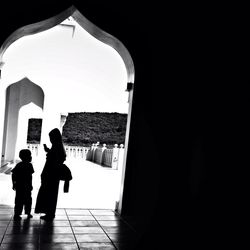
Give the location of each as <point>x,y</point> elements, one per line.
<point>22,176</point>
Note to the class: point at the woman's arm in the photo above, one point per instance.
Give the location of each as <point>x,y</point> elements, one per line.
<point>46,149</point>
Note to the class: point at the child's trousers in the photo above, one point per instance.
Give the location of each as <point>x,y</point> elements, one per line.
<point>23,199</point>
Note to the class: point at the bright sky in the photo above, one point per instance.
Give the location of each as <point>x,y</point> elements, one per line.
<point>84,74</point>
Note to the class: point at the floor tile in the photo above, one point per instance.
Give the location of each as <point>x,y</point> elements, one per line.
<point>81,217</point>
<point>58,246</point>
<point>4,223</point>
<point>107,217</point>
<point>60,211</point>
<point>92,238</point>
<point>112,223</point>
<point>120,230</point>
<point>57,238</point>
<point>6,211</point>
<point>61,217</point>
<point>101,212</point>
<point>23,230</point>
<point>87,230</point>
<point>78,212</point>
<point>56,230</point>
<point>20,238</point>
<point>19,246</point>
<point>55,223</point>
<point>96,246</point>
<point>5,216</point>
<point>122,237</point>
<point>25,223</point>
<point>125,245</point>
<point>84,223</point>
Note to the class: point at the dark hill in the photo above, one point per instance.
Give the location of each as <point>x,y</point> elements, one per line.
<point>84,128</point>
<point>87,128</point>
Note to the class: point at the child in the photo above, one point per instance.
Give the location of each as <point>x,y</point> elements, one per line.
<point>22,184</point>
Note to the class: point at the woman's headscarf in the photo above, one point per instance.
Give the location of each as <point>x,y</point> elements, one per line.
<point>56,140</point>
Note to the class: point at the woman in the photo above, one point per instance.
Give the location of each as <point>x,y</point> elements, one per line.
<point>48,192</point>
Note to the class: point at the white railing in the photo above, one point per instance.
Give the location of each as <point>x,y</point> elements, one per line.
<point>108,157</point>
<point>34,148</point>
<point>76,152</point>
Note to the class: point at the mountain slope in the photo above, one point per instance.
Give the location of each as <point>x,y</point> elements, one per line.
<point>85,128</point>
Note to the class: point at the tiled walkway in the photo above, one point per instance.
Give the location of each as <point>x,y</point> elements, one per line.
<point>72,229</point>
<point>98,187</point>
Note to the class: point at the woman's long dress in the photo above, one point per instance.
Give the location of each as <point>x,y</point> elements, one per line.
<point>48,193</point>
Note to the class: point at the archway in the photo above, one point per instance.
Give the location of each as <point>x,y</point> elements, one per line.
<point>98,34</point>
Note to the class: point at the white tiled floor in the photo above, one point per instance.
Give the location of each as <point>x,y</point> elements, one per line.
<point>93,186</point>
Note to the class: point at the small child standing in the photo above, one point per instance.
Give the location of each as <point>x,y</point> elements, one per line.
<point>22,184</point>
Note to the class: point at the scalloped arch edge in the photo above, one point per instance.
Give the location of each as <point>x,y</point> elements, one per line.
<point>91,28</point>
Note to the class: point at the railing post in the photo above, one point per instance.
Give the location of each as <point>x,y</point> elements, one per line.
<point>87,152</point>
<point>81,152</point>
<point>115,155</point>
<point>66,151</point>
<point>36,150</point>
<point>89,155</point>
<point>94,149</point>
<point>93,152</point>
<point>121,156</point>
<point>102,153</point>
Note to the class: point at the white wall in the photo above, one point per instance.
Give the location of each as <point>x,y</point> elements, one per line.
<point>18,95</point>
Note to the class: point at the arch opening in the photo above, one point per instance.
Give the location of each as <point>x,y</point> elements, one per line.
<point>53,118</point>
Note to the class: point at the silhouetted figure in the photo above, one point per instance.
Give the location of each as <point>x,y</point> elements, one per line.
<point>47,196</point>
<point>22,184</point>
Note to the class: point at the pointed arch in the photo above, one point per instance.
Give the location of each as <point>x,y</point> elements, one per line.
<point>35,28</point>
<point>100,35</point>
<point>91,28</point>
